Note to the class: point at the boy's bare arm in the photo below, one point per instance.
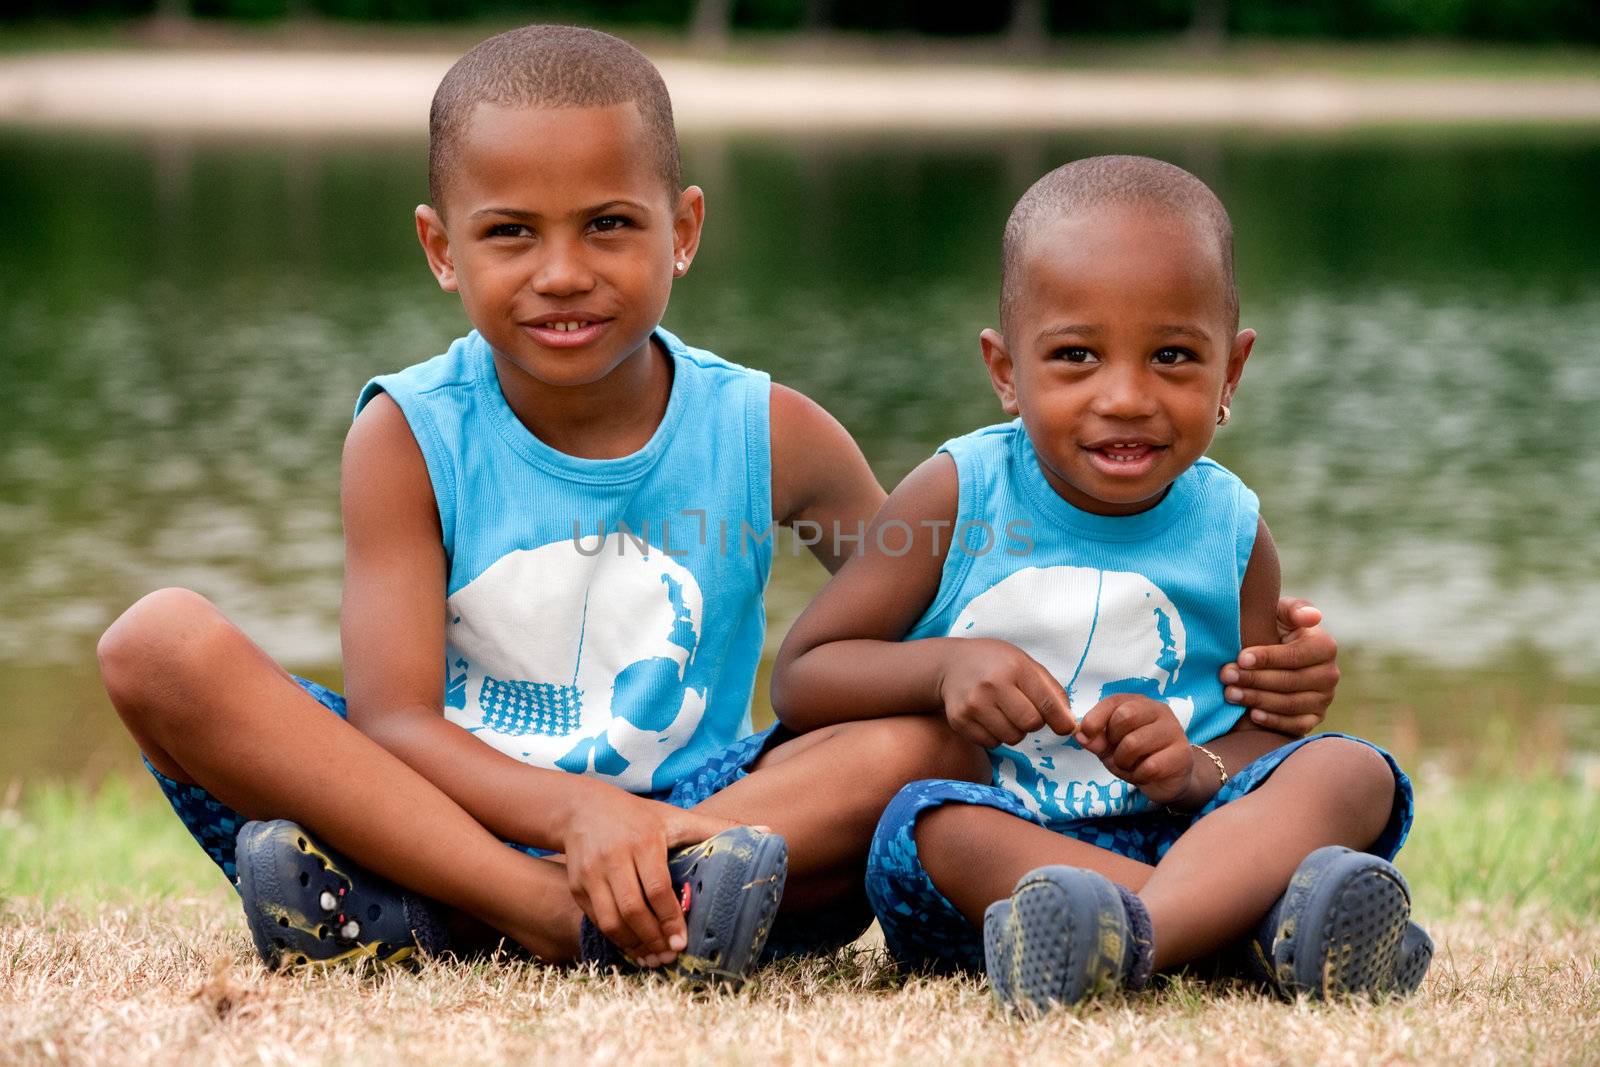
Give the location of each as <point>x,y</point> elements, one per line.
<point>1258,625</point>
<point>1286,673</point>
<point>392,626</point>
<point>844,658</point>
<point>393,633</point>
<point>819,476</point>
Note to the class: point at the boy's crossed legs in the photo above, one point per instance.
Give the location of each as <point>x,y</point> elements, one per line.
<point>212,712</point>
<point>946,851</point>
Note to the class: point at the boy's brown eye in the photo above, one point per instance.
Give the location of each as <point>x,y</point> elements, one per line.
<point>1171,357</point>
<point>609,223</point>
<point>1074,354</point>
<point>508,229</point>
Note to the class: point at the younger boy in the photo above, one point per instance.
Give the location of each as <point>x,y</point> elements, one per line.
<point>557,538</point>
<point>1099,573</point>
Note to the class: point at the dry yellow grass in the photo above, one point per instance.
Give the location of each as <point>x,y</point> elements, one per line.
<point>176,982</point>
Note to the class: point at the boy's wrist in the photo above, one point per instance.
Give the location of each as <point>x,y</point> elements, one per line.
<point>1207,775</point>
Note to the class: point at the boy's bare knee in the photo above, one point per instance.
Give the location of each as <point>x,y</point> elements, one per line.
<point>1362,780</point>
<point>157,640</point>
<point>924,746</point>
<point>943,827</point>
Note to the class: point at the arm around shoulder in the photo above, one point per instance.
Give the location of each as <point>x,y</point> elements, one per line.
<point>844,658</point>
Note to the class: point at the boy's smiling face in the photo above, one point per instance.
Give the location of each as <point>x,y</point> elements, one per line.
<point>1119,352</point>
<point>561,237</point>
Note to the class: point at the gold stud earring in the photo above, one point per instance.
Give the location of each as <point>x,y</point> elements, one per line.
<point>1224,415</point>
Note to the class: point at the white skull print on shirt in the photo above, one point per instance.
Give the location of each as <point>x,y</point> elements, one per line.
<point>1098,633</point>
<point>581,652</point>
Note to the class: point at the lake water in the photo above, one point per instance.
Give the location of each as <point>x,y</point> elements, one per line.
<point>185,323</point>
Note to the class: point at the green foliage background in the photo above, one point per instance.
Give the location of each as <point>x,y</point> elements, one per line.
<point>1505,20</point>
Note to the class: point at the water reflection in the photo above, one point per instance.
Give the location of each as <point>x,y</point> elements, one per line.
<point>186,324</point>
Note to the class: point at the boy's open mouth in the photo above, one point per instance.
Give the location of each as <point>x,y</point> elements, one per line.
<point>566,329</point>
<point>1124,459</point>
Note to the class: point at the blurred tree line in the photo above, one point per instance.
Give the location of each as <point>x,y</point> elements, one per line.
<point>1027,21</point>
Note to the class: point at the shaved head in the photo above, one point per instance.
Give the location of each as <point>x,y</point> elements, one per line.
<point>554,67</point>
<point>1103,180</point>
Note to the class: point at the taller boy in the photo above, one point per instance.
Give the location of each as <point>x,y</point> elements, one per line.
<point>540,511</point>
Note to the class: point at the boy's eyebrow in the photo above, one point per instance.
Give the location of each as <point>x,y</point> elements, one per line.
<point>1077,329</point>
<point>1193,332</point>
<point>1069,330</point>
<point>526,216</point>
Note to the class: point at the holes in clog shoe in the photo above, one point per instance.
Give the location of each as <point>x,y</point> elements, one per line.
<point>373,912</point>
<point>305,879</point>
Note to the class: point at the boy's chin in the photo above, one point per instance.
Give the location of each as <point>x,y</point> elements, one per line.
<point>571,369</point>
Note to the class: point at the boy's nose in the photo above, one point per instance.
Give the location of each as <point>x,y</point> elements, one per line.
<point>562,271</point>
<point>1123,393</point>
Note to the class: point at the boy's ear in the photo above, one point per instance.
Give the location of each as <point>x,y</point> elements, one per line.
<point>1243,343</point>
<point>998,359</point>
<point>436,246</point>
<point>687,222</point>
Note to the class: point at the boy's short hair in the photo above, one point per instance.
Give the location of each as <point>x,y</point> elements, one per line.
<point>550,66</point>
<point>1087,183</point>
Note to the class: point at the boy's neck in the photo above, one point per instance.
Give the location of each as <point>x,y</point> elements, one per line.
<point>608,419</point>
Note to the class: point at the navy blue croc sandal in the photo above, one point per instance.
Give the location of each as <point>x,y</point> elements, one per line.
<point>1065,934</point>
<point>730,886</point>
<point>306,905</point>
<point>1343,929</point>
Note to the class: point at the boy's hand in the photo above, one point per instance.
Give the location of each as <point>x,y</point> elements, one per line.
<point>1140,741</point>
<point>616,848</point>
<point>1288,686</point>
<point>996,694</point>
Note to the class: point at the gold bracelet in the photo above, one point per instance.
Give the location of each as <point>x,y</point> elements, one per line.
<point>1222,772</point>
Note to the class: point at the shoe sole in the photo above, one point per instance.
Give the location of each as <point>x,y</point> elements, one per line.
<point>1059,939</point>
<point>1416,954</point>
<point>1345,914</point>
<point>282,874</point>
<point>735,883</point>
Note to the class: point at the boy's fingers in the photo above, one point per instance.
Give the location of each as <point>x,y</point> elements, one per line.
<point>1295,613</point>
<point>1293,725</point>
<point>1304,649</point>
<point>1283,703</point>
<point>603,912</point>
<point>1318,679</point>
<point>993,720</point>
<point>1137,746</point>
<point>1126,717</point>
<point>974,732</point>
<point>1020,712</point>
<point>1051,703</point>
<point>657,884</point>
<point>1092,727</point>
<point>635,913</point>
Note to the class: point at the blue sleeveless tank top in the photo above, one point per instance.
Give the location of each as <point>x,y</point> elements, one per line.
<point>1145,603</point>
<point>603,617</point>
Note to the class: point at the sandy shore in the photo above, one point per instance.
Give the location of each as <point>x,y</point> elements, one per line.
<point>314,92</point>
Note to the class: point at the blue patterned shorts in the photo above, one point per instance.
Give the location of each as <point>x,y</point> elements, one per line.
<point>923,929</point>
<point>215,825</point>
